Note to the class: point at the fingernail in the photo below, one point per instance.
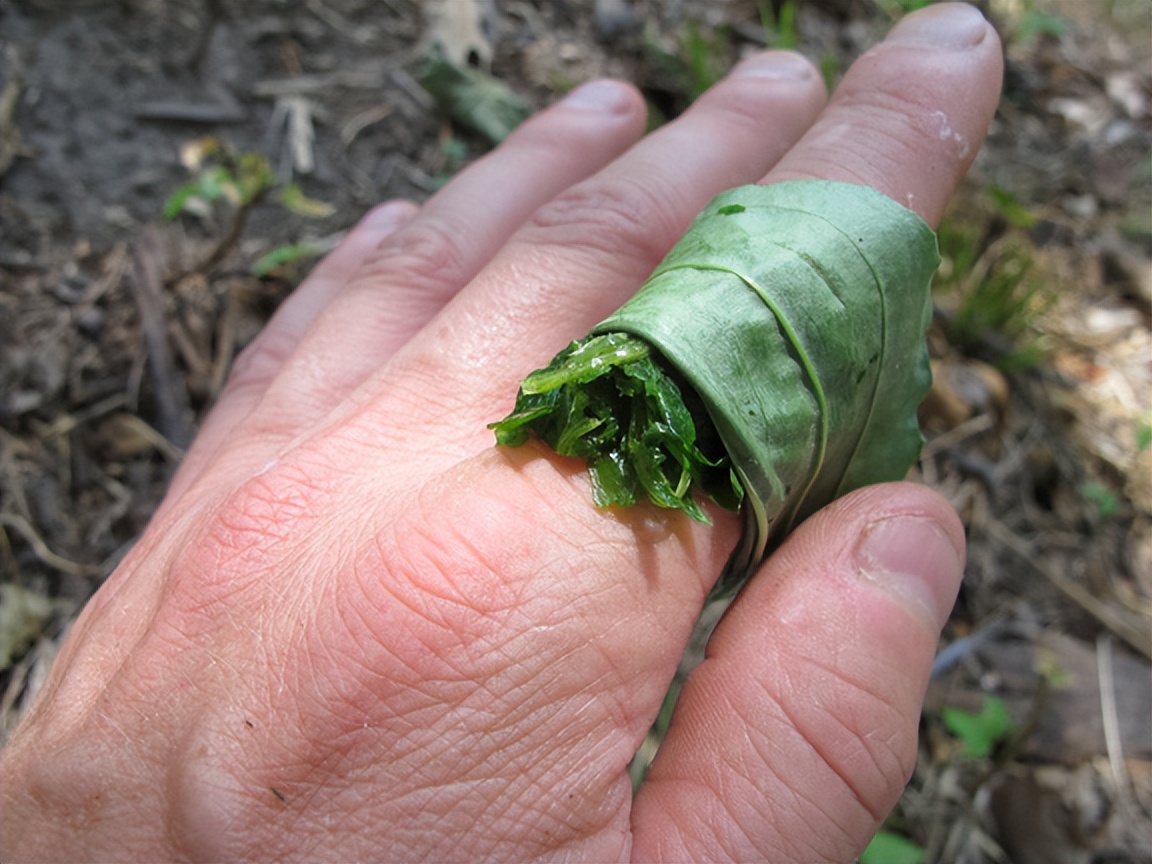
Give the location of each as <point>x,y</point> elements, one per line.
<point>947,25</point>
<point>915,560</point>
<point>782,65</point>
<point>607,97</point>
<point>386,218</point>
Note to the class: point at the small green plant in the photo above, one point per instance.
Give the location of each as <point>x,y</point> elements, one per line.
<point>1002,298</point>
<point>238,182</point>
<point>1010,208</point>
<point>779,29</point>
<point>706,58</point>
<point>700,58</point>
<point>454,154</point>
<point>238,179</point>
<point>220,175</point>
<point>890,848</point>
<point>830,70</point>
<point>993,280</point>
<point>282,256</point>
<point>896,9</point>
<point>1036,22</point>
<point>1106,501</point>
<point>979,732</point>
<point>293,199</point>
<point>1143,435</point>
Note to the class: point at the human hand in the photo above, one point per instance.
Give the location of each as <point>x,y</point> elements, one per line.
<point>357,630</point>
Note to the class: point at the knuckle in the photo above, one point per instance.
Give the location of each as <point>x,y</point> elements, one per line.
<point>260,531</point>
<point>877,768</point>
<point>427,256</point>
<point>617,218</point>
<point>260,361</point>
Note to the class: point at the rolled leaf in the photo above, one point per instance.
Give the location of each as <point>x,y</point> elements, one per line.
<point>791,319</point>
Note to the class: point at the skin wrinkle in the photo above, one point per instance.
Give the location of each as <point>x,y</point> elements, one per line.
<point>476,596</point>
<point>613,221</point>
<point>212,787</point>
<point>405,410</point>
<point>300,809</point>
<point>261,523</point>
<point>734,839</point>
<point>518,687</point>
<point>724,783</point>
<point>557,809</point>
<point>884,113</point>
<point>364,421</point>
<point>770,738</point>
<point>521,686</point>
<point>396,677</point>
<point>743,106</point>
<point>788,671</point>
<point>526,706</point>
<point>301,757</point>
<point>559,315</point>
<point>783,790</point>
<point>411,712</point>
<point>421,260</point>
<point>62,703</point>
<point>858,695</point>
<point>872,84</point>
<point>257,364</point>
<point>711,797</point>
<point>523,780</point>
<point>816,742</point>
<point>698,182</point>
<point>796,733</point>
<point>586,143</point>
<point>799,670</point>
<point>636,683</point>
<point>882,768</point>
<point>424,752</point>
<point>322,661</point>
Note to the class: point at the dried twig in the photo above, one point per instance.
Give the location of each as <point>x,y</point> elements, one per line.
<point>40,549</point>
<point>1128,629</point>
<point>1112,738</point>
<point>226,334</point>
<point>357,124</point>
<point>956,435</point>
<point>11,145</point>
<point>171,394</point>
<point>368,78</point>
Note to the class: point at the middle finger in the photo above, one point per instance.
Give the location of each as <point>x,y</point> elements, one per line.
<point>579,256</point>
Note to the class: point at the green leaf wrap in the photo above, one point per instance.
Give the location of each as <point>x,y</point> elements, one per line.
<point>797,312</point>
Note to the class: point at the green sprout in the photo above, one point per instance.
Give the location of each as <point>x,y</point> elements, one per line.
<point>891,848</point>
<point>779,29</point>
<point>981,731</point>
<point>239,181</point>
<point>1106,501</point>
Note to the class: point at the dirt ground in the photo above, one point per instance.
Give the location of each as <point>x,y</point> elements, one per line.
<point>117,325</point>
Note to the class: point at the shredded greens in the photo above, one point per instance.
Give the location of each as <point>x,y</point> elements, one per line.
<point>772,362</point>
<point>607,400</point>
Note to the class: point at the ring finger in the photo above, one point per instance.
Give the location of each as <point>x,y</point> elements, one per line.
<point>399,266</point>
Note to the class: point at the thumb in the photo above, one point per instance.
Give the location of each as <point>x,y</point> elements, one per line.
<point>797,734</point>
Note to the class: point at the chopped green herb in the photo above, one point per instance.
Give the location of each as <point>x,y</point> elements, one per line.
<point>773,361</point>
